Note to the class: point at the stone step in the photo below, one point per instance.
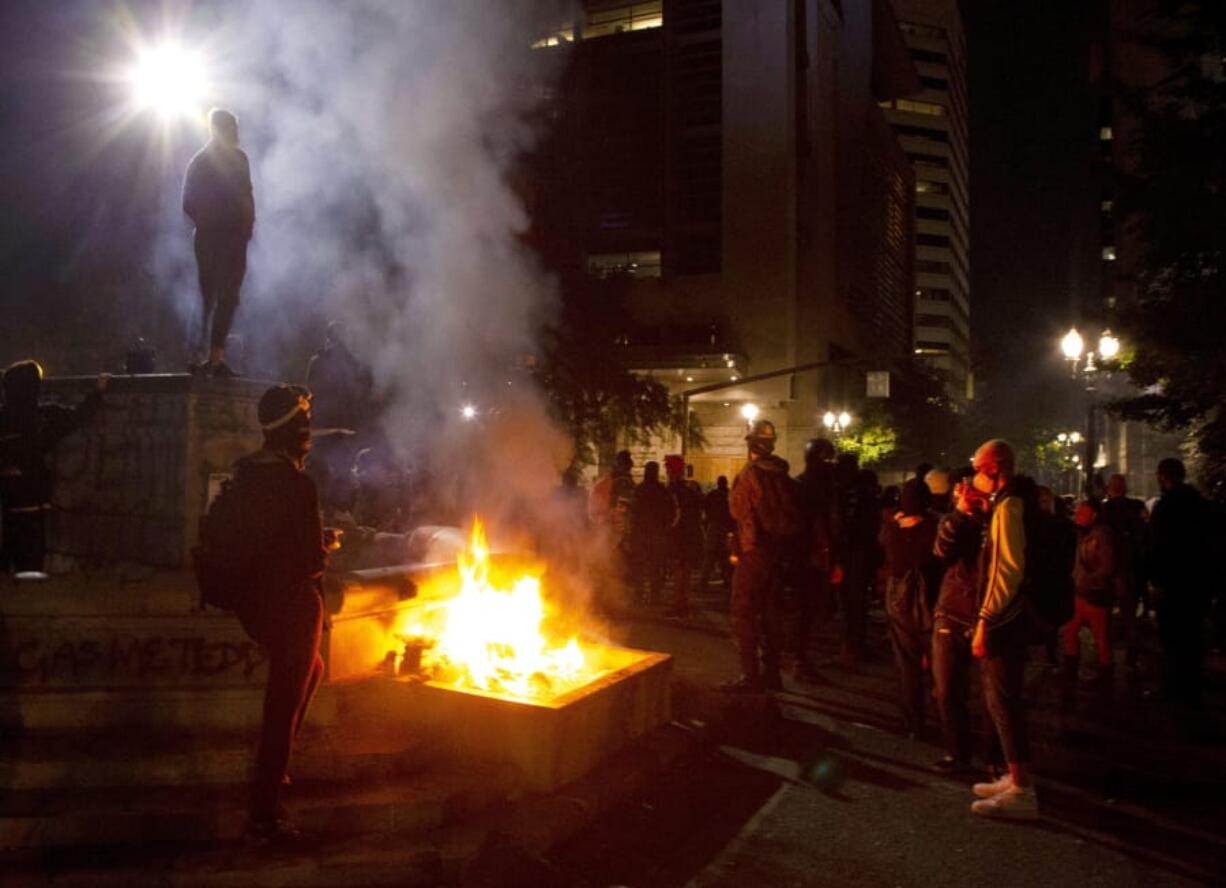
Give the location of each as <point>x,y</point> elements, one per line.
<point>146,709</point>
<point>51,761</point>
<point>407,803</point>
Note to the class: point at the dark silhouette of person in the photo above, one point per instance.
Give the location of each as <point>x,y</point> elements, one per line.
<point>717,524</point>
<point>1182,554</point>
<point>815,558</point>
<point>685,543</point>
<point>29,431</point>
<point>653,514</point>
<point>284,611</point>
<point>218,198</point>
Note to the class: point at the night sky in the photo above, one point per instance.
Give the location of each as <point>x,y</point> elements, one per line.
<point>69,196</point>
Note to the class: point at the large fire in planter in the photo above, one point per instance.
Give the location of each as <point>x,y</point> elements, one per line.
<point>491,634</point>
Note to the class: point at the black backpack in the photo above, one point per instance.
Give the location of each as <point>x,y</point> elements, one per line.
<point>224,558</point>
<point>1051,550</point>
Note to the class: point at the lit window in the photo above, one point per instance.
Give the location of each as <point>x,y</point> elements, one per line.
<point>1108,254</point>
<point>1106,134</point>
<point>627,17</point>
<point>556,38</point>
<point>920,107</point>
<point>923,186</point>
<point>642,264</point>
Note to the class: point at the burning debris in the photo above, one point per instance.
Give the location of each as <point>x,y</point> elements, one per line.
<point>488,628</point>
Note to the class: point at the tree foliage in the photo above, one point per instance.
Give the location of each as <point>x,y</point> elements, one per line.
<point>591,392</point>
<point>1174,203</point>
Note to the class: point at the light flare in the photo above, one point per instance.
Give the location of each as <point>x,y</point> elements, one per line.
<point>169,80</point>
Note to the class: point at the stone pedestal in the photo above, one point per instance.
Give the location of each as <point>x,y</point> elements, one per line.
<point>131,485</point>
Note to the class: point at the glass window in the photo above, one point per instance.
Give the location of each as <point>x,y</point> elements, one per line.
<point>625,17</point>
<point>935,214</point>
<point>928,266</point>
<point>936,294</point>
<point>928,55</point>
<point>1109,254</point>
<point>914,107</point>
<point>932,240</point>
<point>938,83</point>
<point>640,264</point>
<point>1106,134</point>
<point>924,186</point>
<point>932,348</point>
<point>915,29</point>
<point>562,35</point>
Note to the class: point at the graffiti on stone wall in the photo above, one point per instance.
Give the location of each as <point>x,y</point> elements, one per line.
<point>129,659</point>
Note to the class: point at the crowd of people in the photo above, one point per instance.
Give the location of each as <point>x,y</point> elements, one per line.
<point>974,567</point>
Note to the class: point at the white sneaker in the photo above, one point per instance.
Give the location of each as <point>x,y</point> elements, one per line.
<point>1015,803</point>
<point>996,787</point>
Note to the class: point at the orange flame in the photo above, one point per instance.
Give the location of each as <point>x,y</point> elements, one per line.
<point>491,637</point>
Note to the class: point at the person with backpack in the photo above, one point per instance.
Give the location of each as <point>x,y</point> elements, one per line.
<point>29,431</point>
<point>1002,632</point>
<point>910,573</point>
<point>265,535</point>
<point>763,504</point>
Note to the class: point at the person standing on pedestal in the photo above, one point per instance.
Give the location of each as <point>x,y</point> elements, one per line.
<point>218,198</point>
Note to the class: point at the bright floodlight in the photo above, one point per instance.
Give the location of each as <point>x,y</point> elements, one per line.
<point>750,412</point>
<point>829,419</point>
<point>1108,345</point>
<point>1072,345</point>
<point>844,419</point>
<point>168,80</point>
<point>468,411</point>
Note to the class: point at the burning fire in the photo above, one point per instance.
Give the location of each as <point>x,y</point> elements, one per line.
<point>491,634</point>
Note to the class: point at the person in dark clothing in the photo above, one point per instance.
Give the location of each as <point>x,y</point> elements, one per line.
<point>1127,518</point>
<point>939,485</point>
<point>1181,529</point>
<point>218,198</point>
<point>717,524</point>
<point>855,552</point>
<point>29,431</point>
<point>284,613</point>
<point>685,536</point>
<point>1096,581</point>
<point>763,504</point>
<point>815,555</point>
<point>910,569</point>
<point>958,542</point>
<point>653,515</point>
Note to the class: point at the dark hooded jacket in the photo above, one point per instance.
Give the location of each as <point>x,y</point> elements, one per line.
<point>764,504</point>
<point>29,431</point>
<point>217,194</point>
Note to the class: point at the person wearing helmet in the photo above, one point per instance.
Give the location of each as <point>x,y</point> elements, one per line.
<point>284,613</point>
<point>763,504</point>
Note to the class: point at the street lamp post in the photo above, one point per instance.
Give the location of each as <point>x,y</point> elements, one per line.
<point>1084,365</point>
<point>836,422</point>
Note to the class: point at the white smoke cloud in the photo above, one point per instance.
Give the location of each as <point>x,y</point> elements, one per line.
<point>381,134</point>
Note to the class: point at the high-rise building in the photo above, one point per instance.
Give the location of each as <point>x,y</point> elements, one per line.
<point>932,128</point>
<point>725,171</point>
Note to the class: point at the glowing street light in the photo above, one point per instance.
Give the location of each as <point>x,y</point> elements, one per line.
<point>836,422</point>
<point>749,412</point>
<point>1108,345</point>
<point>169,81</point>
<point>1072,345</point>
<point>468,411</point>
